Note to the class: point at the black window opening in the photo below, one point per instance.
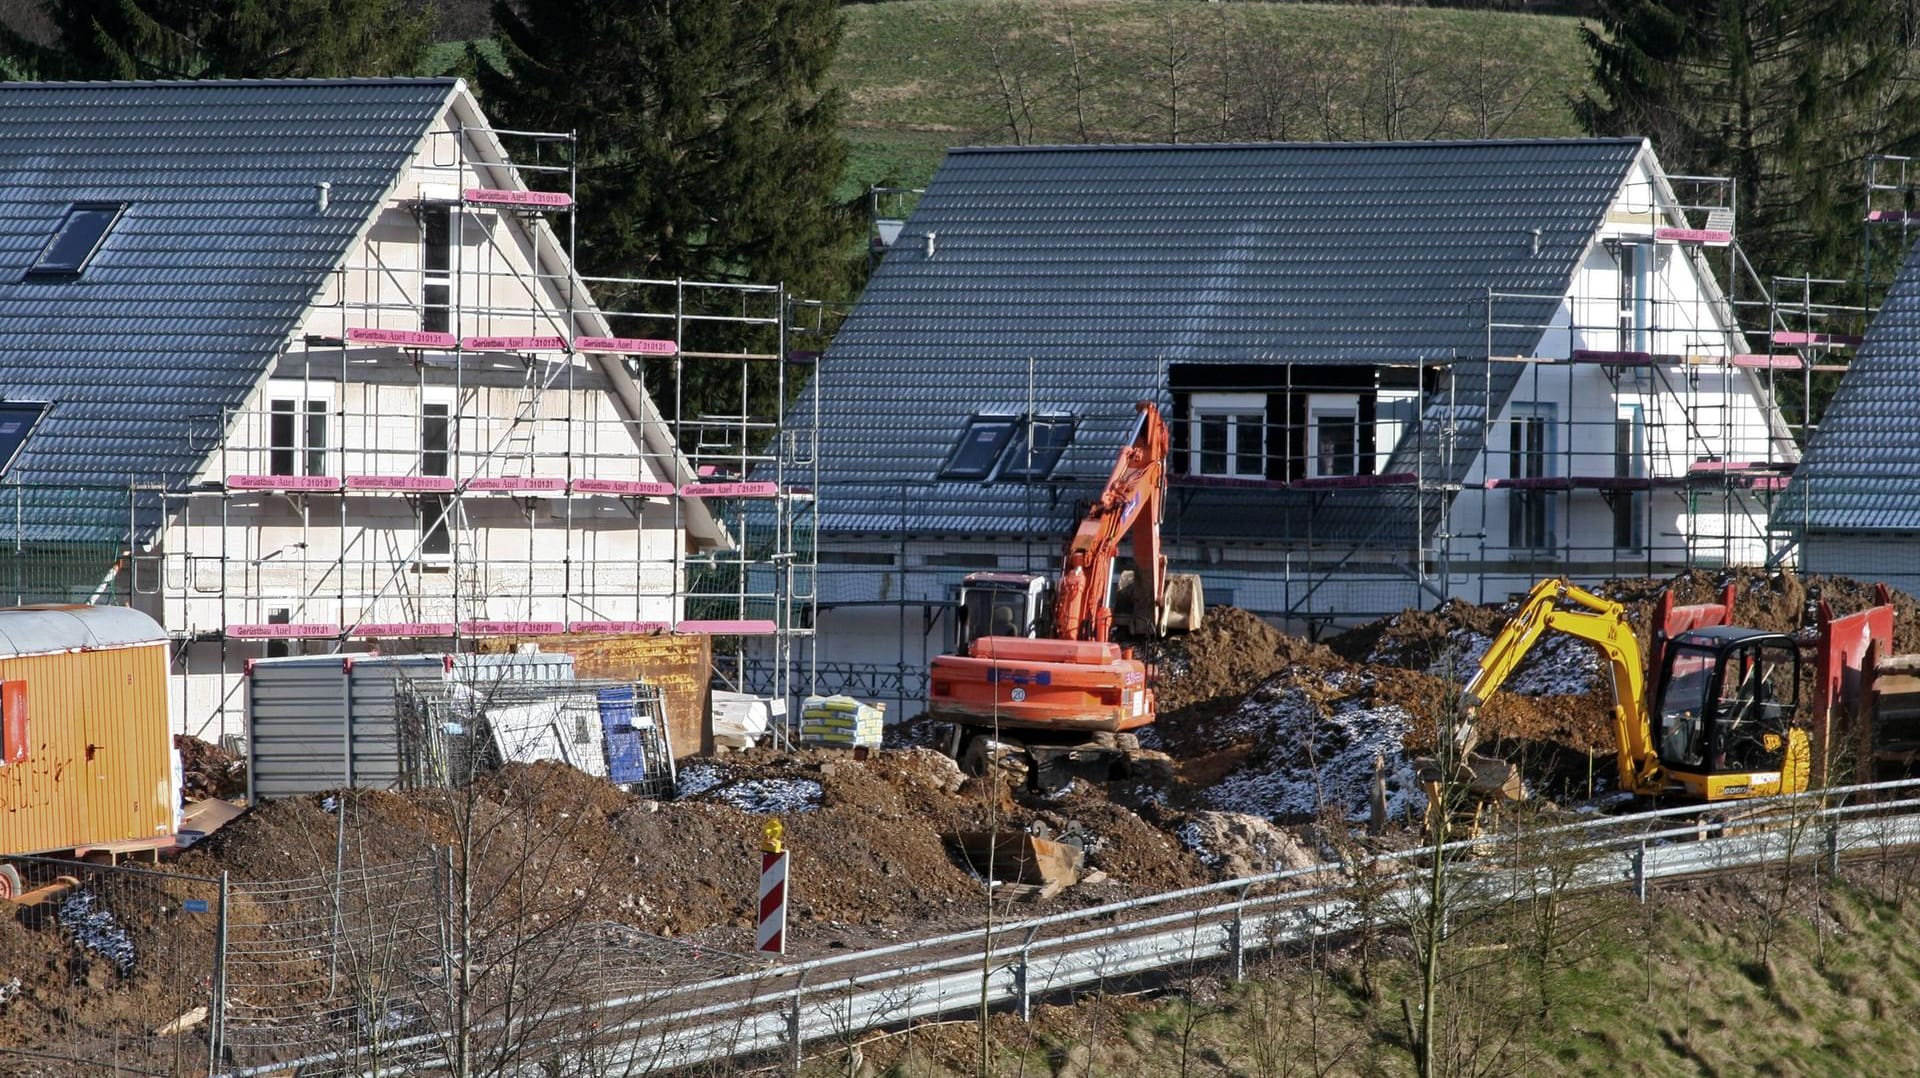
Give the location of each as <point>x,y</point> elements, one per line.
<point>1022,448</point>
<point>436,537</point>
<point>436,269</point>
<point>79,237</point>
<point>1530,456</point>
<point>297,437</point>
<point>18,420</point>
<point>436,439</point>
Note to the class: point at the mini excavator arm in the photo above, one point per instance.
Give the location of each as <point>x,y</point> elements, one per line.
<point>1558,605</point>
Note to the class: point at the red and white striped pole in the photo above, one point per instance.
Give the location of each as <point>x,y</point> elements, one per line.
<point>772,937</point>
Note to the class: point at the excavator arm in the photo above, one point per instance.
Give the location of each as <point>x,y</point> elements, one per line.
<point>1561,606</point>
<point>1132,502</point>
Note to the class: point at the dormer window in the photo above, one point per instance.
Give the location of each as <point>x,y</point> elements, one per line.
<point>80,235</point>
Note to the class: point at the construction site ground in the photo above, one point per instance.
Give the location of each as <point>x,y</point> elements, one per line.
<point>1274,739</point>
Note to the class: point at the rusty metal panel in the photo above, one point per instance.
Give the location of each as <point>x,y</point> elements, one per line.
<point>99,764</point>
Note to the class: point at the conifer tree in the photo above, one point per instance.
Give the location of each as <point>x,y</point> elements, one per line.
<point>184,39</point>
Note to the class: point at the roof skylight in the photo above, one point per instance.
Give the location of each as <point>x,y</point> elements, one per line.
<point>77,240</point>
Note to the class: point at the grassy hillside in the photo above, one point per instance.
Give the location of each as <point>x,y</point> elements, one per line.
<point>922,75</point>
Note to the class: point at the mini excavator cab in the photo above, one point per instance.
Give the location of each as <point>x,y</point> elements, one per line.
<point>1725,707</point>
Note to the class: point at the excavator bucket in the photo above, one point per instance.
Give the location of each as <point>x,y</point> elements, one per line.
<point>1022,860</point>
<point>1185,604</point>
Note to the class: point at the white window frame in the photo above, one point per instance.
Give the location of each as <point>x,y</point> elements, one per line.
<point>1521,500</point>
<point>1235,408</point>
<point>1388,431</point>
<point>1322,406</point>
<point>1630,503</point>
<point>309,400</point>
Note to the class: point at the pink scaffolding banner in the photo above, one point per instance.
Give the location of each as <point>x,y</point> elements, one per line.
<point>1693,235</point>
<point>643,346</point>
<point>512,628</point>
<point>410,338</point>
<point>375,629</point>
<point>280,630</point>
<point>305,483</point>
<point>412,484</point>
<point>729,490</point>
<point>727,627</point>
<point>494,196</point>
<point>519,484</point>
<point>626,488</point>
<point>631,628</point>
<point>514,344</point>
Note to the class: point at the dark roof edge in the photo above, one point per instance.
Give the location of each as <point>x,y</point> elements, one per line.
<point>1191,147</point>
<point>437,80</point>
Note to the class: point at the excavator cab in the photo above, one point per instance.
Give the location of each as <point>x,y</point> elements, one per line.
<point>1725,708</point>
<point>1002,604</point>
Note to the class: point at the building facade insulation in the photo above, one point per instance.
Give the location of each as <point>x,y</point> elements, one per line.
<point>1394,374</point>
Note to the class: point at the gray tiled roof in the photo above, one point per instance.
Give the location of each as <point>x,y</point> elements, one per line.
<point>1090,269</point>
<point>196,288</point>
<point>1861,468</point>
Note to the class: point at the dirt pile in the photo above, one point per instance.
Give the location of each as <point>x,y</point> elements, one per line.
<point>207,770</point>
<point>1239,845</point>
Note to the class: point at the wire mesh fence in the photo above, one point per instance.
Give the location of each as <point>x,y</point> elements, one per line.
<point>117,971</point>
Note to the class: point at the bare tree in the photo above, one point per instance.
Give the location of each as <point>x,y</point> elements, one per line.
<point>1078,82</point>
<point>1010,38</point>
<point>1401,85</point>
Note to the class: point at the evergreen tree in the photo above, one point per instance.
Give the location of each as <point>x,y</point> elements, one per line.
<point>708,145</point>
<point>1787,98</point>
<point>185,39</point>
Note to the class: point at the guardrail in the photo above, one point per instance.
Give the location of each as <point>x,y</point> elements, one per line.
<point>786,1007</point>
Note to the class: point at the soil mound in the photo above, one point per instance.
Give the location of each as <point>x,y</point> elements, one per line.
<point>207,770</point>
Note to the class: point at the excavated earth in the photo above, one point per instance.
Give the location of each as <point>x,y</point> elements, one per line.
<point>1272,736</point>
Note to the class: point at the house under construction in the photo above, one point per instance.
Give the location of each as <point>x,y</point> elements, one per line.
<point>304,366</point>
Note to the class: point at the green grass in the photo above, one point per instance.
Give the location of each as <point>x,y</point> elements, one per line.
<point>922,75</point>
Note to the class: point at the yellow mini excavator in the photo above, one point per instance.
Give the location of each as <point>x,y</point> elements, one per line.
<point>1716,724</point>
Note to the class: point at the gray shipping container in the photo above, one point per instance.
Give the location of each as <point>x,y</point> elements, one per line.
<point>321,722</point>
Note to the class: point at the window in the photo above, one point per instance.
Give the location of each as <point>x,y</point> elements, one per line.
<point>1333,435</point>
<point>1530,456</point>
<point>1394,413</point>
<point>436,268</point>
<point>78,238</point>
<point>1629,461</point>
<point>436,526</point>
<point>1227,435</point>
<point>981,444</point>
<point>17,422</point>
<point>436,439</point>
<point>279,649</point>
<point>297,436</point>
<point>1037,447</point>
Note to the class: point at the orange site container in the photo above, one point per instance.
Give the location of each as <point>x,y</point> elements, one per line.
<point>86,748</point>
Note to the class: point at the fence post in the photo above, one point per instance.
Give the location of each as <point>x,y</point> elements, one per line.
<point>794,1043</point>
<point>1640,873</point>
<point>1237,935</point>
<point>217,1005</point>
<point>1023,996</point>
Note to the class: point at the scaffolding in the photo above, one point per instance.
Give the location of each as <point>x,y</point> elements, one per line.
<point>450,454</point>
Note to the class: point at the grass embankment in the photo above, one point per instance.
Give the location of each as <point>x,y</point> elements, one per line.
<point>922,75</point>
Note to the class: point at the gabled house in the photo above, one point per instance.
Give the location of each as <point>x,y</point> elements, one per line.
<point>1394,373</point>
<point>304,366</point>
<point>1853,505</point>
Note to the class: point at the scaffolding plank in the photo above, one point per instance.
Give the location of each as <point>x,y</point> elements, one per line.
<point>729,490</point>
<point>518,484</point>
<point>1532,482</point>
<point>624,628</point>
<point>406,338</point>
<point>1715,237</point>
<point>374,630</point>
<point>411,484</point>
<point>1875,217</point>
<point>1815,340</point>
<point>1769,362</point>
<point>494,196</point>
<point>727,627</point>
<point>291,484</point>
<point>1610,482</point>
<point>282,630</point>
<point>625,488</point>
<point>489,627</point>
<point>514,344</point>
<point>639,346</point>
<point>1344,482</point>
<point>1619,359</point>
<point>1739,467</point>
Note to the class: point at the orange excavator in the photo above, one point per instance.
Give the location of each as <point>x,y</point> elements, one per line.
<point>1035,662</point>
